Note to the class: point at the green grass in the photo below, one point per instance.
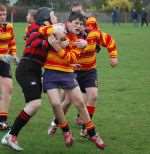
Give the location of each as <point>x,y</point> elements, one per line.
<point>123,107</point>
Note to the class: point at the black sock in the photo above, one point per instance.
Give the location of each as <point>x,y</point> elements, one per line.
<point>91,116</point>
<point>56,121</point>
<point>82,126</point>
<point>66,129</point>
<point>19,123</point>
<point>3,118</point>
<point>78,115</point>
<point>91,132</point>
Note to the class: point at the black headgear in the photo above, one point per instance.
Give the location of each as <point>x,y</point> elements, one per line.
<point>42,15</point>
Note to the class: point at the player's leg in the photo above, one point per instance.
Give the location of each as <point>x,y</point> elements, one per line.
<point>55,100</point>
<point>32,88</point>
<point>77,99</point>
<point>6,86</point>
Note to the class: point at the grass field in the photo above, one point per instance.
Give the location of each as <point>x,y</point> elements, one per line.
<point>123,106</point>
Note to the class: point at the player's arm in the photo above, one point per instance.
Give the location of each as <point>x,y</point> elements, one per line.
<point>46,30</point>
<point>69,54</point>
<point>12,44</point>
<point>108,42</point>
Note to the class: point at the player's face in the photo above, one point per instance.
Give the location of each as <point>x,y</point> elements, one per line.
<point>29,18</point>
<point>3,16</point>
<point>83,28</point>
<point>89,27</point>
<point>76,26</point>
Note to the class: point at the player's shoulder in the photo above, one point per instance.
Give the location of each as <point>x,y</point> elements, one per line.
<point>9,25</point>
<point>94,33</point>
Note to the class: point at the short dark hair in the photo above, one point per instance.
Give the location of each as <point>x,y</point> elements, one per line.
<point>42,15</point>
<point>76,15</point>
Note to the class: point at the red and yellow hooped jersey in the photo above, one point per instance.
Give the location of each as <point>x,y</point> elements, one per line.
<point>7,39</point>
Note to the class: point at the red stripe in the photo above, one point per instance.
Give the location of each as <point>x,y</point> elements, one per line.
<point>113,48</point>
<point>24,115</point>
<point>108,39</point>
<point>3,113</point>
<point>91,109</point>
<point>87,54</point>
<point>3,51</point>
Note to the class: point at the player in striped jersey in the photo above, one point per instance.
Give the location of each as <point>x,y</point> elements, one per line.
<point>86,73</point>
<point>59,73</point>
<point>7,54</point>
<point>28,75</point>
<point>30,18</point>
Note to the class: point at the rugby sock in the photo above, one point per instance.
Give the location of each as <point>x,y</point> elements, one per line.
<point>90,127</point>
<point>3,116</point>
<point>91,110</point>
<point>64,126</point>
<point>20,122</point>
<point>56,121</point>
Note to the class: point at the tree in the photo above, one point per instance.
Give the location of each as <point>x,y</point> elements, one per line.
<point>138,4</point>
<point>33,2</point>
<point>125,5</point>
<point>61,5</point>
<point>4,1</point>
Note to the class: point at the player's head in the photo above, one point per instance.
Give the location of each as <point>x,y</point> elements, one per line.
<point>3,13</point>
<point>91,24</point>
<point>46,16</point>
<point>75,22</point>
<point>31,16</point>
<point>76,7</point>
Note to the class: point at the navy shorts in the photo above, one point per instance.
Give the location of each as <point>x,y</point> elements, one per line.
<point>57,79</point>
<point>28,75</point>
<point>87,79</point>
<point>5,70</point>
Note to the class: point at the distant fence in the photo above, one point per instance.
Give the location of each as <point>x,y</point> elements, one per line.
<point>21,12</point>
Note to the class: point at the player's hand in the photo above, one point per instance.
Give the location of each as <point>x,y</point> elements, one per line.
<point>59,28</point>
<point>52,40</point>
<point>54,43</point>
<point>7,58</point>
<point>81,43</point>
<point>113,62</point>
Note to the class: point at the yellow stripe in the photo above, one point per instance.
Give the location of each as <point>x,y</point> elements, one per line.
<point>94,34</point>
<point>86,60</point>
<point>5,36</point>
<point>50,31</point>
<point>112,44</point>
<point>4,46</point>
<point>13,47</point>
<point>55,57</point>
<point>59,68</point>
<point>90,47</point>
